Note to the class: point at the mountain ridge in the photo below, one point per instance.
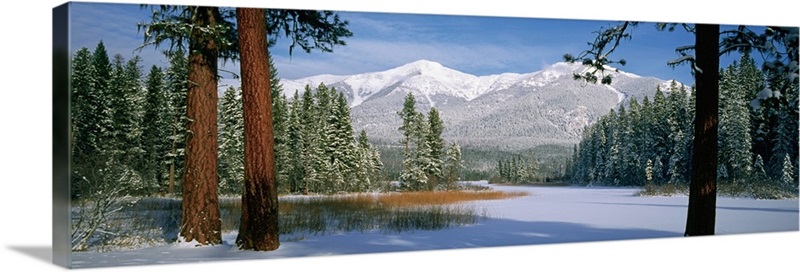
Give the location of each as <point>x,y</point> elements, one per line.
<point>508,111</point>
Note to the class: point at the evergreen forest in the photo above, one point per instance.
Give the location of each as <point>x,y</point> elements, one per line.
<point>129,133</point>
<point>649,141</point>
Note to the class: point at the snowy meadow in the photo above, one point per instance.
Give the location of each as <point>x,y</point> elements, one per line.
<point>537,215</point>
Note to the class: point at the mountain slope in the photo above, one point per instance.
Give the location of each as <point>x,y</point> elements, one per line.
<point>507,111</point>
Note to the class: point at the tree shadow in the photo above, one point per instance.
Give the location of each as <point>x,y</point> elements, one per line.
<point>490,233</point>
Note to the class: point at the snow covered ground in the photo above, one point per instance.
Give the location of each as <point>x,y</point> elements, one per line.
<point>549,215</point>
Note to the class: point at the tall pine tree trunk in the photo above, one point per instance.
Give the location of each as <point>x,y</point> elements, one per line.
<point>703,189</point>
<point>200,219</point>
<point>258,229</point>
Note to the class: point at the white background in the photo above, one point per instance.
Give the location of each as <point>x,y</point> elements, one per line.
<point>27,128</point>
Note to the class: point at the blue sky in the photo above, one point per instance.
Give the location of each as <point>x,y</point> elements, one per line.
<point>479,45</point>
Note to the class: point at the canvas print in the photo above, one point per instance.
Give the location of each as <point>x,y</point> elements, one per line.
<point>195,133</point>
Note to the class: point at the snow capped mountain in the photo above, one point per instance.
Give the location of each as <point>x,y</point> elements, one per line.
<point>508,111</point>
<point>426,78</point>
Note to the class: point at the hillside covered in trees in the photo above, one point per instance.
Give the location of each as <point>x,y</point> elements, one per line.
<point>649,142</point>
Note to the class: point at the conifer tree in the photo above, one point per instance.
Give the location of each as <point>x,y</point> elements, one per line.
<point>631,150</point>
<point>177,85</point>
<point>421,154</point>
<point>659,128</point>
<point>156,128</point>
<point>416,152</point>
<point>678,162</point>
<point>784,141</point>
<point>734,125</point>
<point>295,146</point>
<point>341,150</point>
<point>759,172</point>
<point>612,146</point>
<point>83,79</point>
<point>87,137</point>
<point>788,171</point>
<point>369,164</point>
<point>648,172</point>
<point>310,141</point>
<point>436,145</point>
<point>658,171</point>
<point>231,142</point>
<point>280,116</point>
<point>102,65</point>
<point>407,115</point>
<point>452,165</point>
<point>103,99</point>
<point>125,86</point>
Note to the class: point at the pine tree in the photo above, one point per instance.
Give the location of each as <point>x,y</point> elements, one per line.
<point>436,145</point>
<point>83,79</point>
<point>102,64</point>
<point>784,141</point>
<point>422,158</point>
<point>788,171</point>
<point>200,206</point>
<point>658,171</point>
<point>126,89</point>
<point>407,115</point>
<point>87,136</point>
<point>103,97</point>
<point>631,149</point>
<point>258,228</point>
<point>759,173</point>
<point>157,128</point>
<point>648,172</point>
<point>599,141</point>
<point>312,153</point>
<point>295,146</point>
<point>280,117</point>
<point>660,129</point>
<point>177,85</point>
<point>678,162</point>
<point>341,143</point>
<point>369,165</point>
<point>734,125</point>
<point>452,165</point>
<point>612,146</point>
<point>231,142</point>
<point>418,166</point>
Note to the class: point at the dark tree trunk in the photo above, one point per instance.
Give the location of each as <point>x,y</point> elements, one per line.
<point>703,189</point>
<point>258,229</point>
<point>200,219</point>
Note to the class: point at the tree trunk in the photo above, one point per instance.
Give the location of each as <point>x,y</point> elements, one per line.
<point>200,219</point>
<point>703,189</point>
<point>258,229</point>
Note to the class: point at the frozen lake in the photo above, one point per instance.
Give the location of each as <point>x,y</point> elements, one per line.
<point>548,215</point>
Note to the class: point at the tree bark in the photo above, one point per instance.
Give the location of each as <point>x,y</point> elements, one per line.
<point>200,219</point>
<point>258,229</point>
<point>703,189</point>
